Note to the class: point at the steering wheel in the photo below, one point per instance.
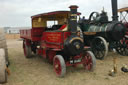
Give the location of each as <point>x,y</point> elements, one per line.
<point>93,16</point>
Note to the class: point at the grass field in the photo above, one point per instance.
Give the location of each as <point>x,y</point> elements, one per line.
<point>37,71</point>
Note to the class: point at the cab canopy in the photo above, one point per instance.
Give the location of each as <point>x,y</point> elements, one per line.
<point>123,14</point>
<point>123,9</point>
<point>40,20</point>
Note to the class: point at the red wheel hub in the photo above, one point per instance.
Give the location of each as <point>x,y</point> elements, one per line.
<point>124,40</point>
<point>57,66</point>
<point>87,62</point>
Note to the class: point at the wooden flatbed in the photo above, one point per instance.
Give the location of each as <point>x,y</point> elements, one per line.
<point>32,34</point>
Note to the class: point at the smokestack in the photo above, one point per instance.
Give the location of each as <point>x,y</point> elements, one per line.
<point>114,10</point>
<point>73,19</point>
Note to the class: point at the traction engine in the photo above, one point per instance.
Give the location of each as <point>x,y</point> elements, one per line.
<point>101,33</point>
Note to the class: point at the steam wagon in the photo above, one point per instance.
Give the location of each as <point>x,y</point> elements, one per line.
<point>123,49</point>
<point>60,43</point>
<point>102,34</point>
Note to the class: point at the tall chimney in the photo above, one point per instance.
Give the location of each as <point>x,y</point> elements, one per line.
<point>73,19</point>
<point>114,10</point>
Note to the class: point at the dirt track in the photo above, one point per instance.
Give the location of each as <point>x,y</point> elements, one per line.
<point>37,71</point>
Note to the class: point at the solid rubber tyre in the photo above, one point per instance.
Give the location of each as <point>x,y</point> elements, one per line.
<point>102,51</point>
<point>27,50</point>
<point>59,66</point>
<point>89,61</point>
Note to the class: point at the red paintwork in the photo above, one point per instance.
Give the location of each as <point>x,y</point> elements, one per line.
<point>33,34</point>
<point>87,62</point>
<point>126,24</point>
<point>39,51</point>
<point>58,68</point>
<point>44,51</point>
<point>63,27</point>
<point>50,55</point>
<point>54,40</point>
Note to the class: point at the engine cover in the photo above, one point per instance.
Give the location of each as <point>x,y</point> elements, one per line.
<point>74,45</point>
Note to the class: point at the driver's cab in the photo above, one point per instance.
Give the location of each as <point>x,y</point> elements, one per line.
<point>52,21</point>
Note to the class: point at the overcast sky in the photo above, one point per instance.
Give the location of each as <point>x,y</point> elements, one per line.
<point>17,13</point>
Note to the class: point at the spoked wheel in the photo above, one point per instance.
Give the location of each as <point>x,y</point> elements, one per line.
<point>99,47</point>
<point>59,66</point>
<point>89,61</point>
<point>122,47</point>
<point>3,72</point>
<point>27,50</point>
<point>93,16</point>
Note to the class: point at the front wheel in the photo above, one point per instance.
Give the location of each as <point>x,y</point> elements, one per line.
<point>59,66</point>
<point>99,47</point>
<point>89,61</point>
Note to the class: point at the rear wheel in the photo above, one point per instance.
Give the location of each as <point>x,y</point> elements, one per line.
<point>59,66</point>
<point>3,73</point>
<point>99,47</point>
<point>27,50</point>
<point>89,61</point>
<point>122,48</point>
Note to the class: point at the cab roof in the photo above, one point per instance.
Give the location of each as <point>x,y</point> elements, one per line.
<point>123,9</point>
<point>53,14</point>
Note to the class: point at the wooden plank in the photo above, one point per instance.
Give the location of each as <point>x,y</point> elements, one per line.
<point>123,9</point>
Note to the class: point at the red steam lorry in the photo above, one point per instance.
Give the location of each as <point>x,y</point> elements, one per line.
<point>61,44</point>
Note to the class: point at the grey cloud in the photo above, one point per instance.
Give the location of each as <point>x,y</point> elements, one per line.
<point>18,12</point>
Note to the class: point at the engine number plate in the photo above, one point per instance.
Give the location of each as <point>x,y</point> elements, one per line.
<point>75,61</point>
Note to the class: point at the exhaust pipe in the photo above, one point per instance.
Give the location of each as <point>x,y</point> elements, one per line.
<point>114,10</point>
<point>73,19</point>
